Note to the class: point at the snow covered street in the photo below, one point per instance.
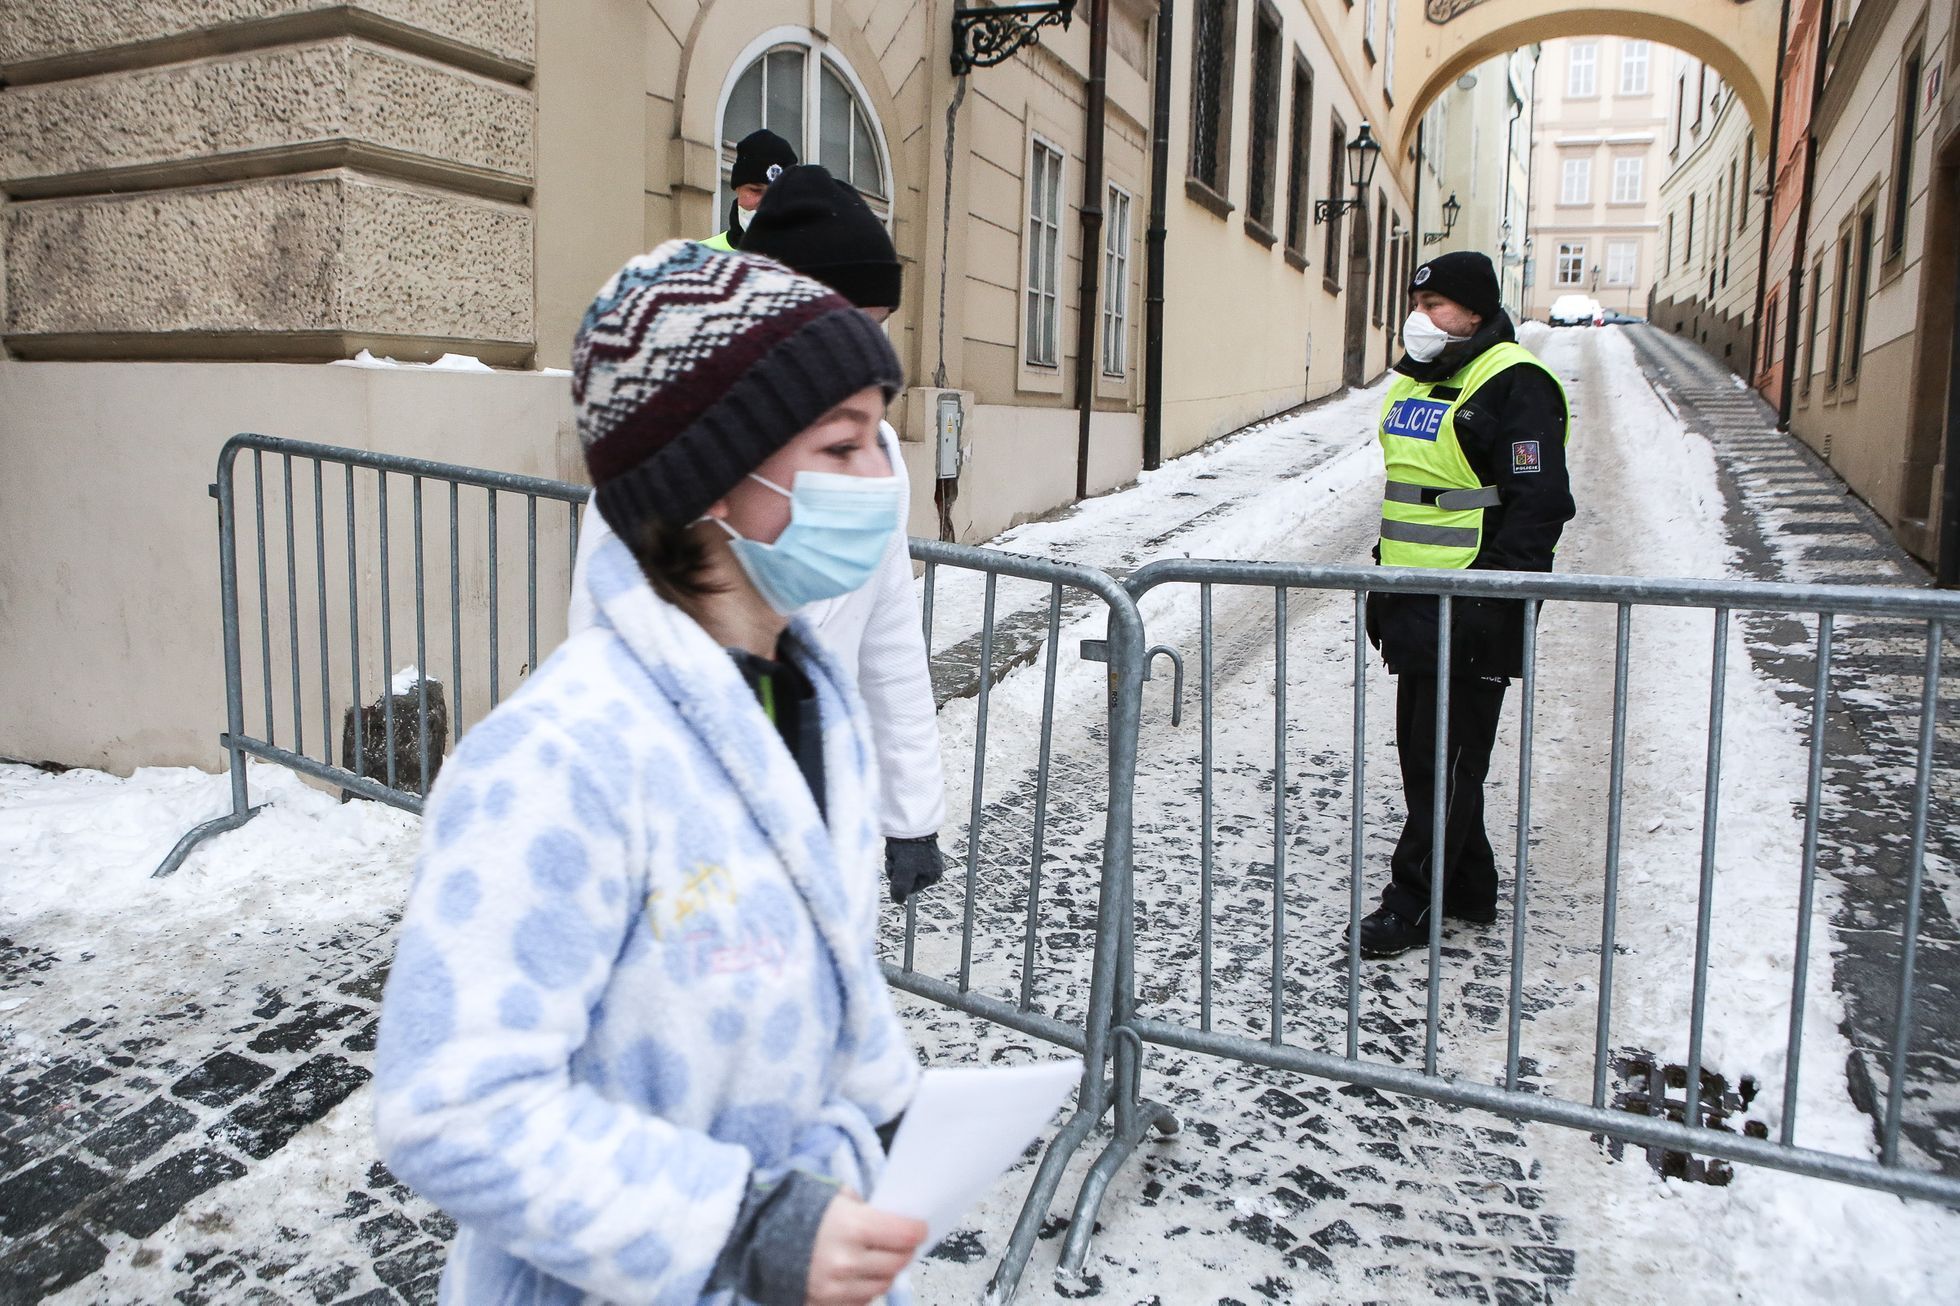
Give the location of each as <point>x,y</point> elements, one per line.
<point>184,1115</point>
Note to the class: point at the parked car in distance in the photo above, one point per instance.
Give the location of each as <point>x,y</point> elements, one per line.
<point>1613,317</point>
<point>1574,310</point>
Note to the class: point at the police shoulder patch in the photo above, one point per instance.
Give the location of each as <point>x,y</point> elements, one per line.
<point>1524,457</point>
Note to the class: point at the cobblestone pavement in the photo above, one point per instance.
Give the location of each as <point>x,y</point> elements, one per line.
<point>205,1140</point>
<point>1795,521</point>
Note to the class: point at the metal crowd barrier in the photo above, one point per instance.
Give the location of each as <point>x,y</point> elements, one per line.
<point>1939,613</point>
<point>337,577</point>
<point>328,561</point>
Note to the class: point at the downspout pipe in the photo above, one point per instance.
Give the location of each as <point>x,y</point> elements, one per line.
<point>1089,318</point>
<point>1756,341</point>
<point>1153,275</point>
<point>1800,256</point>
<point>1947,571</point>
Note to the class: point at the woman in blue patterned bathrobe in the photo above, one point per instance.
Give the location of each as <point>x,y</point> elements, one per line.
<point>636,1040</point>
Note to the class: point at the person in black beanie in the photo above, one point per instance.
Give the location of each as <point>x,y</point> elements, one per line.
<point>760,158</point>
<point>1473,433</point>
<point>820,226</point>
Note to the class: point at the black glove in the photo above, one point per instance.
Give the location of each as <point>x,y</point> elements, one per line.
<point>912,865</point>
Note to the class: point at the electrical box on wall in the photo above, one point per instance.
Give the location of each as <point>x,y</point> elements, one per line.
<point>949,420</point>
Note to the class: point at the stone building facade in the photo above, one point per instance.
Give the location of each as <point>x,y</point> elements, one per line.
<point>206,205</point>
<point>1599,154</point>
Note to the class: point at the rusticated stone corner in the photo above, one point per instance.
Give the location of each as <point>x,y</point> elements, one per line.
<point>53,29</point>
<point>309,255</point>
<point>250,110</point>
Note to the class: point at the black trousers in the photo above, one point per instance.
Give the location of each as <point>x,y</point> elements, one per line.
<point>1469,866</point>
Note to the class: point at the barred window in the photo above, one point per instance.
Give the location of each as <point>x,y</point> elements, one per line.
<point>1116,282</point>
<point>1262,163</point>
<point>1211,93</point>
<point>1840,302</point>
<point>1571,264</point>
<point>1330,267</point>
<point>1044,252</point>
<point>1299,205</point>
<point>1810,336</point>
<point>1907,126</point>
<point>1867,239</point>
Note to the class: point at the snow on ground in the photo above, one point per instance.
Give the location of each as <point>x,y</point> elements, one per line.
<point>1277,1186</point>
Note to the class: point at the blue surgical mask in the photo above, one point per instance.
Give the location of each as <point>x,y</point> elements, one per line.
<point>839,528</point>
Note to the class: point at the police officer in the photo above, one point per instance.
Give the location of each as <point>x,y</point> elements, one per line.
<point>1473,433</point>
<point>760,158</point>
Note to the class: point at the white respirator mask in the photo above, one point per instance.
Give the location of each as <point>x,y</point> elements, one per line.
<point>1424,339</point>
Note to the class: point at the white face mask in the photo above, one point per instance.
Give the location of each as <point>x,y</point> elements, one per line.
<point>1424,339</point>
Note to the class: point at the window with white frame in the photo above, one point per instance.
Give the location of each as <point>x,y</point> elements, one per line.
<point>1044,253</point>
<point>799,86</point>
<point>1622,261</point>
<point>1634,59</point>
<point>1571,264</point>
<point>1576,182</point>
<point>1116,285</point>
<point>1371,16</point>
<point>1628,177</point>
<point>1582,69</point>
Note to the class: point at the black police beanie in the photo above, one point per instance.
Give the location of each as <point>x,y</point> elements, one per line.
<point>820,226</point>
<point>1465,276</point>
<point>760,158</point>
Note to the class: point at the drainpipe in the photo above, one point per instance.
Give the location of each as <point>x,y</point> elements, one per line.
<point>1756,340</point>
<point>1801,254</point>
<point>1092,223</point>
<point>1153,274</point>
<point>1947,574</point>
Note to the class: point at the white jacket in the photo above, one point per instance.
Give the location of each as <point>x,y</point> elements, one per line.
<point>638,976</point>
<point>876,634</point>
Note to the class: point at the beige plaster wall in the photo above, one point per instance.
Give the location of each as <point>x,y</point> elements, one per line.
<point>111,650</point>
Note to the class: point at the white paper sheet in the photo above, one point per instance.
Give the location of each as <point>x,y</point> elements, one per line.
<point>964,1128</point>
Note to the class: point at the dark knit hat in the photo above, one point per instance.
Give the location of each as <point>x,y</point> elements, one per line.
<point>692,367</point>
<point>760,158</point>
<point>822,227</point>
<point>1465,276</point>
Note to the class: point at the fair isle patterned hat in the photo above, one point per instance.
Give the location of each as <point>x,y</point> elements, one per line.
<point>692,367</point>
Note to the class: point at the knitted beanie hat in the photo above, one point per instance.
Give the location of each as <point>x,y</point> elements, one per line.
<point>1465,276</point>
<point>692,367</point>
<point>760,158</point>
<point>823,228</point>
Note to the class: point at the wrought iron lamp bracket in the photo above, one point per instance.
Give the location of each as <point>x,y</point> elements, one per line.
<point>1328,210</point>
<point>985,35</point>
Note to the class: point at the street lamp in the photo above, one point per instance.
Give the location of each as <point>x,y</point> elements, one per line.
<point>1450,210</point>
<point>1363,154</point>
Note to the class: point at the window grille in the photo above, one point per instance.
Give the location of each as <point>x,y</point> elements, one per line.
<point>1211,92</point>
<point>1262,163</point>
<point>1299,205</point>
<point>1044,253</point>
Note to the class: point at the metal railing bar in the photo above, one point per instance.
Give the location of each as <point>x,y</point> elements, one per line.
<point>1929,708</point>
<point>1813,818</point>
<point>977,807</point>
<point>1519,894</point>
<point>1041,792</point>
<point>1609,912</point>
<point>1705,896</point>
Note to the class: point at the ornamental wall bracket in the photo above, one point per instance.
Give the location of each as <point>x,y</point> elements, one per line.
<point>985,35</point>
<point>1443,11</point>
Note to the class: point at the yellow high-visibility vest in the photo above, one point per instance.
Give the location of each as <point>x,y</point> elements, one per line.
<point>719,241</point>
<point>1433,503</point>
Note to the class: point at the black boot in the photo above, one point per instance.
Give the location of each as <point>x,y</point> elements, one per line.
<point>1386,934</point>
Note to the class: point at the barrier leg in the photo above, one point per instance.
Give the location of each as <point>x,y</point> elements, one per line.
<point>1047,1179</point>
